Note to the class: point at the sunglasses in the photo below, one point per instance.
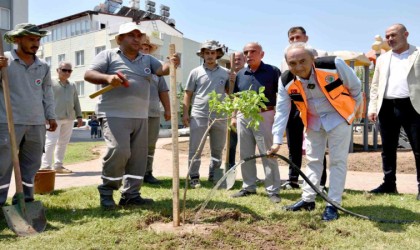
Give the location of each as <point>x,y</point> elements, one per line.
<point>66,70</point>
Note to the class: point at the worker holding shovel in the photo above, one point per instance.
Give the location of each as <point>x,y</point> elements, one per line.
<point>124,112</point>
<point>32,105</point>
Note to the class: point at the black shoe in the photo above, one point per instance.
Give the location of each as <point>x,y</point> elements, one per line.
<point>242,193</point>
<point>290,185</point>
<point>107,202</point>
<point>149,178</point>
<point>275,198</point>
<point>330,213</point>
<point>385,188</point>
<point>308,206</point>
<point>418,196</point>
<point>136,201</point>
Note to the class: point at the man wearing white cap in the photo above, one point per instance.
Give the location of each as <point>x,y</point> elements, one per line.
<point>201,82</point>
<point>124,112</point>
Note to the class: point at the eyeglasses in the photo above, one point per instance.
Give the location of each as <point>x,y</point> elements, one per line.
<point>66,70</point>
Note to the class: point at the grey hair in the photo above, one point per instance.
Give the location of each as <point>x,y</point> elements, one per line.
<point>300,45</point>
<point>61,63</point>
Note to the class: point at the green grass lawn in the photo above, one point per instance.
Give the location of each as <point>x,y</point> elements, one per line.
<point>75,221</point>
<point>82,151</point>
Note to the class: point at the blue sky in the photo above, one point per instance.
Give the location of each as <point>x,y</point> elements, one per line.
<point>331,24</point>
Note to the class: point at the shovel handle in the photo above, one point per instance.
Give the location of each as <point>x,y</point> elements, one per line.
<point>109,87</point>
<point>11,126</point>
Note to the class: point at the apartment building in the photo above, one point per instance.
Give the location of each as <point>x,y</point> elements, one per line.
<point>12,12</point>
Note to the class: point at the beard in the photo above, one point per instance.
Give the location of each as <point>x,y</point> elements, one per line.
<point>30,51</point>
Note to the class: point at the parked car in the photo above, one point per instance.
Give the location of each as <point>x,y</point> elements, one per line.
<point>84,126</point>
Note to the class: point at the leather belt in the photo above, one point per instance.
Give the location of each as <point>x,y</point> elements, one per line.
<point>268,108</point>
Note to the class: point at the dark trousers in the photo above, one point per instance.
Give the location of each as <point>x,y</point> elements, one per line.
<point>294,133</point>
<point>394,114</point>
<point>232,148</point>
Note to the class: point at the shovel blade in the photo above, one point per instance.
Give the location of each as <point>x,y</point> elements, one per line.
<point>26,223</point>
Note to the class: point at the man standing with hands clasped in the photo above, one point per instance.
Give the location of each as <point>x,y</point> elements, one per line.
<point>395,103</point>
<point>201,82</point>
<point>32,105</point>
<point>67,107</point>
<point>327,92</point>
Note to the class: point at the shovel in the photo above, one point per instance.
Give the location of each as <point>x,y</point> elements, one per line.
<point>23,218</point>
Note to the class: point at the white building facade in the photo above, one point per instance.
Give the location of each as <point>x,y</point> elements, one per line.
<point>78,38</point>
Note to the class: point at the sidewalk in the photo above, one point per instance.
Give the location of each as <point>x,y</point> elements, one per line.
<point>89,173</point>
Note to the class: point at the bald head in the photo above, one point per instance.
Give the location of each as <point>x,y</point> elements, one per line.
<point>239,61</point>
<point>396,36</point>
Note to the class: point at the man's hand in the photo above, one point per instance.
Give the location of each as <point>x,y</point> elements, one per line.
<point>167,115</point>
<point>274,149</point>
<point>372,117</point>
<point>79,122</point>
<point>3,61</point>
<point>175,60</point>
<point>114,80</point>
<point>186,120</point>
<point>53,125</point>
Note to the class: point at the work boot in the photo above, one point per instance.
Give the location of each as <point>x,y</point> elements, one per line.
<point>135,201</point>
<point>107,202</point>
<point>149,178</point>
<point>385,188</point>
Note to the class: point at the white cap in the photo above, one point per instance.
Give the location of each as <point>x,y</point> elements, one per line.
<point>127,28</point>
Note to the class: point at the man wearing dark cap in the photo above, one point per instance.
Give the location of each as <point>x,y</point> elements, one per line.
<point>32,106</point>
<point>124,112</point>
<point>201,82</point>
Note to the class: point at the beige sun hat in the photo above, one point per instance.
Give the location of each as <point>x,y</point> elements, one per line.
<point>24,29</point>
<point>212,45</point>
<point>146,41</point>
<point>127,28</point>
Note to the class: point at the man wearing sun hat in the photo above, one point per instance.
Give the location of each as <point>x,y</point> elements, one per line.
<point>158,92</point>
<point>32,105</point>
<point>201,82</point>
<point>124,112</point>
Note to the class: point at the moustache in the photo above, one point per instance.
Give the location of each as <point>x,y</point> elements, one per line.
<point>34,47</point>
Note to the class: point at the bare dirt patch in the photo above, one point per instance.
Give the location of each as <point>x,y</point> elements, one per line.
<point>359,160</point>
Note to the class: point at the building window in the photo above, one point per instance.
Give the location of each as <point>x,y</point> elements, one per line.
<point>99,49</point>
<point>48,60</point>
<point>80,57</point>
<point>61,58</point>
<point>80,85</point>
<point>4,18</point>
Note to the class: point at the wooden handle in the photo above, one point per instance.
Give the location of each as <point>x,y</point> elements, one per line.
<point>11,126</point>
<point>101,91</point>
<point>231,85</point>
<point>175,149</point>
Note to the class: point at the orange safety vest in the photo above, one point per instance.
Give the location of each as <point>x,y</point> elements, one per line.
<point>330,84</point>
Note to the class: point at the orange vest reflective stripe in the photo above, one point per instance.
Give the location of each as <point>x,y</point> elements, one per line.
<point>329,83</point>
